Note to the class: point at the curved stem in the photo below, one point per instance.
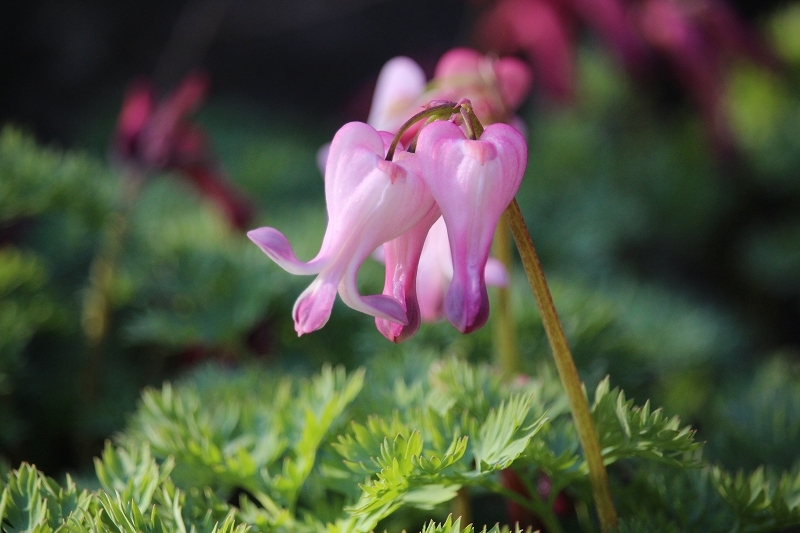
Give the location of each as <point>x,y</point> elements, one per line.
<point>447,108</point>
<point>581,414</point>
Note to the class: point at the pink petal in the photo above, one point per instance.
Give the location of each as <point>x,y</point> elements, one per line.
<point>496,273</point>
<point>514,80</point>
<point>313,308</point>
<point>400,83</point>
<point>377,305</point>
<point>458,62</point>
<point>434,273</point>
<point>402,260</point>
<point>273,243</point>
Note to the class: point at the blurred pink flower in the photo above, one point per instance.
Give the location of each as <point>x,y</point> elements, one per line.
<point>161,138</point>
<point>696,38</point>
<point>370,201</point>
<point>541,30</point>
<point>401,83</point>
<point>496,88</point>
<point>692,37</point>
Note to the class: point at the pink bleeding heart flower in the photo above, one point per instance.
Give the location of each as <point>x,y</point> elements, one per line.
<point>472,181</point>
<point>436,270</point>
<point>370,201</point>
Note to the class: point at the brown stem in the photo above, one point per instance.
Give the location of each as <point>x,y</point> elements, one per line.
<point>445,109</point>
<point>579,405</point>
<point>461,506</point>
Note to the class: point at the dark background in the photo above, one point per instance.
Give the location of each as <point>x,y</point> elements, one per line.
<point>62,60</point>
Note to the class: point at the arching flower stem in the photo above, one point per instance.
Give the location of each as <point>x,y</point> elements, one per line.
<point>471,122</point>
<point>578,403</point>
<point>439,111</point>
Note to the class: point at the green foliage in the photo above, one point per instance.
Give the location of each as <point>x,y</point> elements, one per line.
<point>24,306</point>
<point>757,421</point>
<point>709,499</point>
<point>224,436</point>
<point>191,448</point>
<point>32,502</point>
<point>454,526</point>
<point>627,431</point>
<point>763,502</point>
<point>34,181</point>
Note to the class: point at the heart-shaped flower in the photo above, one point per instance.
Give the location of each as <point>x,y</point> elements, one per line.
<point>370,201</point>
<point>472,181</point>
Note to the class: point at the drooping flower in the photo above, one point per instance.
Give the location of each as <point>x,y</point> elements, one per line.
<point>472,181</point>
<point>496,87</point>
<point>370,201</point>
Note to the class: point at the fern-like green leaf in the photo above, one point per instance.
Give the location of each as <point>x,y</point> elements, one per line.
<point>627,431</point>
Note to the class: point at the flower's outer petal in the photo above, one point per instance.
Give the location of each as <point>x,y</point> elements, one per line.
<point>404,200</point>
<point>377,305</point>
<point>473,182</point>
<point>388,200</point>
<point>354,141</point>
<point>458,62</point>
<point>514,80</point>
<point>273,243</point>
<point>370,201</point>
<point>400,84</point>
<point>402,257</point>
<point>496,273</point>
<point>313,308</point>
